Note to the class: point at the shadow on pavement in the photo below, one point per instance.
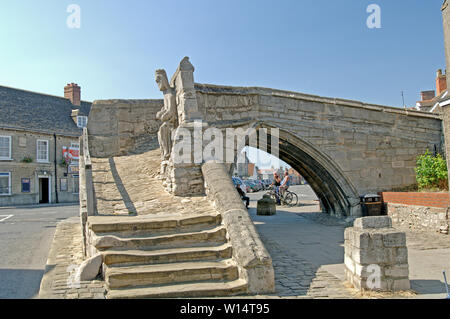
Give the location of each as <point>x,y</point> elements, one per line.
<point>20,283</point>
<point>428,286</point>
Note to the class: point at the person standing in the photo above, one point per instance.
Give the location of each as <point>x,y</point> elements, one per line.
<point>285,183</point>
<point>276,183</point>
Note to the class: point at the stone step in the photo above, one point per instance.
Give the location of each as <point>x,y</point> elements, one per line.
<point>133,225</point>
<point>205,289</point>
<point>160,274</point>
<point>136,257</point>
<point>159,232</point>
<point>210,237</point>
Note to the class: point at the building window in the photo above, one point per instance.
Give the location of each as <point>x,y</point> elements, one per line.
<point>82,121</point>
<point>75,145</point>
<point>5,183</point>
<point>26,185</point>
<point>42,151</point>
<point>5,147</point>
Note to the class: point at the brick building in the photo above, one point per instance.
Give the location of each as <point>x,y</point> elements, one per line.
<point>39,145</point>
<point>430,100</point>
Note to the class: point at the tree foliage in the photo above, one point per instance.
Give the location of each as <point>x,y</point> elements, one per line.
<point>431,172</point>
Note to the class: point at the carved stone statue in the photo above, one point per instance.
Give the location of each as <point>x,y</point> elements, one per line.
<point>168,114</point>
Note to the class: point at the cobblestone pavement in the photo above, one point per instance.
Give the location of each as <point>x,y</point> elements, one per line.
<point>296,277</point>
<point>65,255</point>
<point>306,249</point>
<point>428,253</point>
<point>126,184</point>
<point>300,254</point>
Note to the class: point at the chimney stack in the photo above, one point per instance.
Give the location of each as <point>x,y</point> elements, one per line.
<point>73,92</point>
<point>441,82</point>
<point>427,95</point>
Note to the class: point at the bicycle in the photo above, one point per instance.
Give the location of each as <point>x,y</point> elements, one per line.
<point>289,198</point>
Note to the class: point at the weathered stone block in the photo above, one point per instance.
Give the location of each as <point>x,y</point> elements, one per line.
<point>376,241</point>
<point>361,239</point>
<point>349,263</point>
<point>394,239</point>
<point>371,222</point>
<point>370,244</point>
<point>371,256</point>
<point>401,285</point>
<point>401,270</point>
<point>348,232</point>
<point>89,269</point>
<point>399,255</point>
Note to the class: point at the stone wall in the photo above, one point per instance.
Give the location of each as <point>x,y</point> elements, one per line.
<point>375,146</point>
<point>118,127</point>
<point>376,257</point>
<point>419,218</point>
<point>254,262</point>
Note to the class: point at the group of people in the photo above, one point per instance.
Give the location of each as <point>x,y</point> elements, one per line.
<point>280,188</point>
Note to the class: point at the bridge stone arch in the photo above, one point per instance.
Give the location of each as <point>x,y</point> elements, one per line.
<point>337,194</point>
<point>335,191</point>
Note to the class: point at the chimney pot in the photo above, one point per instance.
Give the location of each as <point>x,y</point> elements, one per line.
<point>427,95</point>
<point>73,93</point>
<point>441,82</point>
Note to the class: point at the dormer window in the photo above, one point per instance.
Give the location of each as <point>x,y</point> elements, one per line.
<point>82,121</point>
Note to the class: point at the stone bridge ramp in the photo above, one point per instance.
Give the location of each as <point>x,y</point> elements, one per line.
<point>154,244</point>
<point>129,184</point>
<point>166,256</point>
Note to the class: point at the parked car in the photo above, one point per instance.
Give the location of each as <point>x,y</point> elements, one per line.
<point>252,187</point>
<point>256,185</point>
<point>261,184</point>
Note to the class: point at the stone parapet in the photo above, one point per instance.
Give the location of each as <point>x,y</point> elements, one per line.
<point>255,263</point>
<point>376,257</point>
<point>116,126</point>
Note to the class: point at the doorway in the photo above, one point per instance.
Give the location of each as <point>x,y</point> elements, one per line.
<point>44,187</point>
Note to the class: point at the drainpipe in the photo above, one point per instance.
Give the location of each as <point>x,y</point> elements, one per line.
<point>56,173</point>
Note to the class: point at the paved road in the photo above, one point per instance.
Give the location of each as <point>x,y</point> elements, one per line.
<point>26,234</point>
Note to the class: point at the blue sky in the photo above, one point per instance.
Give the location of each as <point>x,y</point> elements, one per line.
<point>316,47</point>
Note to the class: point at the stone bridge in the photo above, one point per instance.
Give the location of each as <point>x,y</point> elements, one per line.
<point>343,148</point>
